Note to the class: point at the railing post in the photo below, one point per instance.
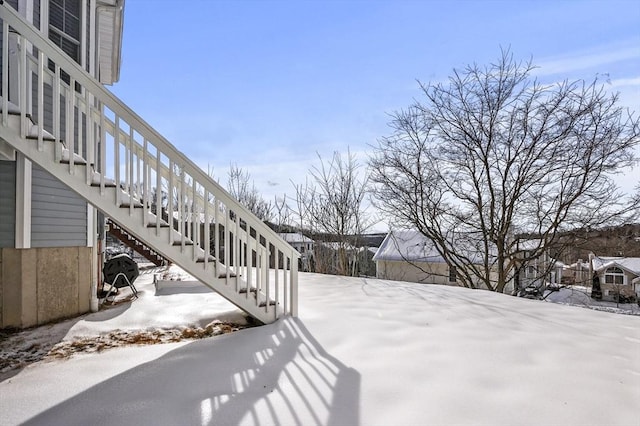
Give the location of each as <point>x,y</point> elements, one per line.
<point>5,73</point>
<point>69,133</point>
<point>57,128</point>
<point>294,285</point>
<point>159,191</point>
<point>130,170</point>
<point>170,205</point>
<point>40,93</point>
<point>22,101</point>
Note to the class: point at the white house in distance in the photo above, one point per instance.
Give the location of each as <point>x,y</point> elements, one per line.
<point>302,244</point>
<point>617,276</point>
<point>408,255</point>
<point>540,271</point>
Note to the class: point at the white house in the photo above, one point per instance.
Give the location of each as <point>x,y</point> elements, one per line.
<point>539,271</point>
<point>300,242</point>
<point>617,276</point>
<point>72,154</point>
<point>408,255</point>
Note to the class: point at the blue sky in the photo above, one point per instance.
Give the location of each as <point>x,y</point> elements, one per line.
<point>267,84</point>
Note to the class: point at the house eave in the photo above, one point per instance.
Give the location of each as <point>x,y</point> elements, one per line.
<point>110,24</point>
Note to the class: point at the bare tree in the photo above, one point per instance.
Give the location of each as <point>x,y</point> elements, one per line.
<point>332,203</point>
<point>283,215</point>
<point>494,156</point>
<point>243,189</point>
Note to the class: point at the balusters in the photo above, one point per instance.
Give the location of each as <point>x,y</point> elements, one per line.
<point>159,192</point>
<point>5,73</point>
<point>57,131</point>
<point>69,128</point>
<point>103,150</point>
<point>170,205</point>
<point>207,233</point>
<point>23,93</point>
<point>116,158</point>
<point>40,95</point>
<point>146,179</point>
<point>129,168</point>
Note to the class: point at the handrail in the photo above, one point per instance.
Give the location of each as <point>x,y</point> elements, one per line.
<point>119,108</point>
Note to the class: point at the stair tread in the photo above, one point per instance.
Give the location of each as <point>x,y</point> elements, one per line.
<point>179,243</point>
<point>154,225</point>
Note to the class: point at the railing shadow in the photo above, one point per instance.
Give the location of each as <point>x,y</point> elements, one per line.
<point>274,374</point>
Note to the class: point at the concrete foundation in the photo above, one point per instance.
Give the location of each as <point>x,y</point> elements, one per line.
<point>40,285</point>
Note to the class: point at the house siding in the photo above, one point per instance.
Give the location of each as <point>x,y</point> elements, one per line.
<point>7,203</point>
<point>427,273</point>
<point>58,215</point>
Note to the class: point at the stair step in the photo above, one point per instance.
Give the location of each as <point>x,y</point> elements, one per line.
<point>153,225</point>
<point>179,243</point>
<point>201,259</point>
<point>97,177</point>
<point>106,184</point>
<point>126,205</point>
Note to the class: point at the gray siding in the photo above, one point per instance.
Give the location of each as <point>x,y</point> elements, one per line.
<point>7,204</point>
<point>58,215</point>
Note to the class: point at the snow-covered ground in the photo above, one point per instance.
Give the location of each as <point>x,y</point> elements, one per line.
<point>362,352</point>
<point>580,296</point>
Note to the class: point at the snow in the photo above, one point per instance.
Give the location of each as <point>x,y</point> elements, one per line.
<point>631,264</point>
<point>363,351</point>
<point>580,296</point>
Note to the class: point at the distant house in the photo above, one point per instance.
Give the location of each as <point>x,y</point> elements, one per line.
<point>303,245</point>
<point>618,277</point>
<point>539,271</point>
<point>408,255</point>
<point>576,273</point>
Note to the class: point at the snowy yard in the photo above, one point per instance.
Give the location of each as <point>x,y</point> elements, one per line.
<point>363,351</point>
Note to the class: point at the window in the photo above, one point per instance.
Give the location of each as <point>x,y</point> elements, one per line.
<point>614,275</point>
<point>452,274</point>
<point>64,26</point>
<point>530,272</point>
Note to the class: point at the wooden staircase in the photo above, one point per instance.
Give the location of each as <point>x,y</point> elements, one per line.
<point>133,243</point>
<point>117,162</point>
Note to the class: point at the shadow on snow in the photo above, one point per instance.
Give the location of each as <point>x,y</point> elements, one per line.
<point>274,374</point>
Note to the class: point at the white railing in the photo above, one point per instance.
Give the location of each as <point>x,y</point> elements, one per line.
<point>107,145</point>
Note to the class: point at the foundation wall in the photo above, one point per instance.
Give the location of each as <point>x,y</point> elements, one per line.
<point>40,285</point>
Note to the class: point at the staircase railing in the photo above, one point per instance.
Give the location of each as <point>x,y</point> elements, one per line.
<point>59,103</point>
